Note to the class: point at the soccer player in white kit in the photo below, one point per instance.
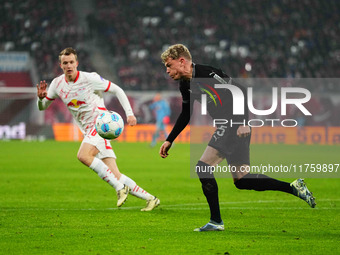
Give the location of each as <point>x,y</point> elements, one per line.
<point>81,92</point>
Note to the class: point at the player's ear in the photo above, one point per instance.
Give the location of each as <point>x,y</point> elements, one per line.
<point>182,60</point>
<point>77,63</point>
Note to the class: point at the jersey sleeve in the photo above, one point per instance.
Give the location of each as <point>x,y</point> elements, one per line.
<point>98,82</point>
<point>101,84</point>
<point>184,117</point>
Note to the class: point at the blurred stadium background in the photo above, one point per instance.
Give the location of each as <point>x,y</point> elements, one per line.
<point>122,41</point>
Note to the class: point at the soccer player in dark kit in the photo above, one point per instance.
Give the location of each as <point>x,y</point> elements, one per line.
<point>231,143</point>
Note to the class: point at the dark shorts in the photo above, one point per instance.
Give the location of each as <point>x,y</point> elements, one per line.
<point>235,149</point>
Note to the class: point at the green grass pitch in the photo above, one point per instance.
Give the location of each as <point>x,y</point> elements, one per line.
<point>52,204</point>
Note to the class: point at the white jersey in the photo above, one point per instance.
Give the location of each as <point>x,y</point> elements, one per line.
<point>83,97</point>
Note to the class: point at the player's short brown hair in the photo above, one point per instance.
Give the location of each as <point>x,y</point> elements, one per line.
<point>68,51</point>
<point>176,51</point>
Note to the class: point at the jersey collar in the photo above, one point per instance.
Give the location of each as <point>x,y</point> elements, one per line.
<point>74,80</point>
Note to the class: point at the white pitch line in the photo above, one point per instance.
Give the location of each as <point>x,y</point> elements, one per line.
<point>193,206</point>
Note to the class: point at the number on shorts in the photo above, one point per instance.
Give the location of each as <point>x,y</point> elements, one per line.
<point>94,132</point>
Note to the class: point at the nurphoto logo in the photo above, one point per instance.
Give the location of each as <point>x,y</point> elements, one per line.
<point>239,105</point>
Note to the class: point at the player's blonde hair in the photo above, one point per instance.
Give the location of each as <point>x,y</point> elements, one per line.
<point>68,51</point>
<point>176,51</point>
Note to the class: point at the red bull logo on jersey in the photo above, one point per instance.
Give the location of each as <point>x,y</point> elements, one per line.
<point>75,103</point>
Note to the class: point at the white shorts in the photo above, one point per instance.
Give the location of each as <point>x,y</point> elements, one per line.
<point>103,145</point>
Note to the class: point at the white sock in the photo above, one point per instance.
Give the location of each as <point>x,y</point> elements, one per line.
<point>135,189</point>
<point>105,173</point>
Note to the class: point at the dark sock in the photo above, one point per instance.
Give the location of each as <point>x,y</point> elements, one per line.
<point>261,182</point>
<point>210,190</point>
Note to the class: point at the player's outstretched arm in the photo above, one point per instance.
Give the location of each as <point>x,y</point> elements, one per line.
<point>164,149</point>
<point>123,99</point>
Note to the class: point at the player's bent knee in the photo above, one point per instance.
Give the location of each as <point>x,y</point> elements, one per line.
<point>80,156</point>
<point>203,170</point>
<point>83,159</point>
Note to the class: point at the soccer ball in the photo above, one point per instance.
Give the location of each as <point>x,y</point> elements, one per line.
<point>109,125</point>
